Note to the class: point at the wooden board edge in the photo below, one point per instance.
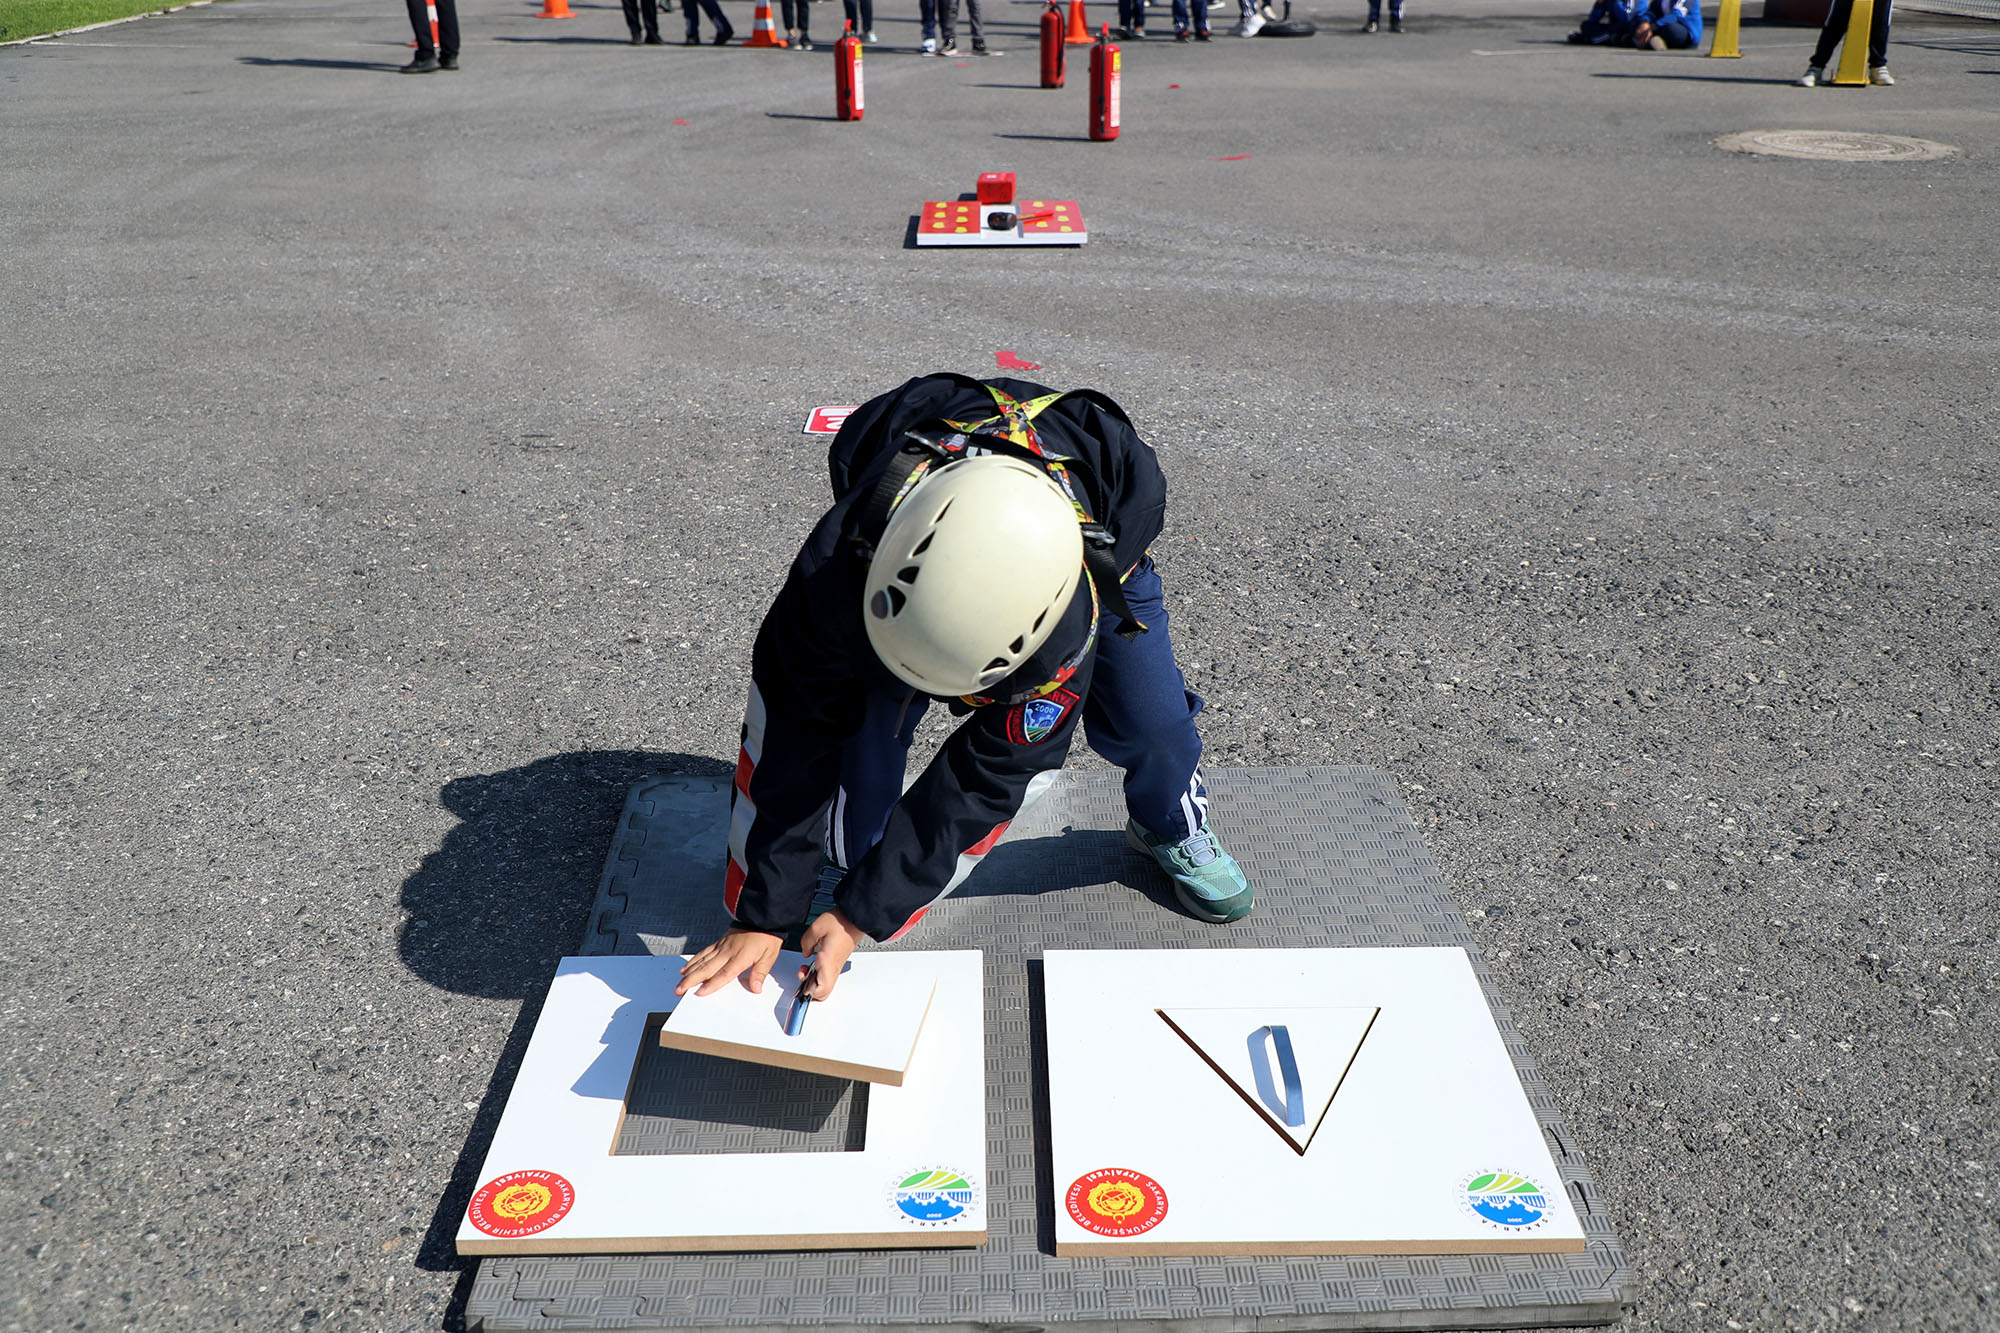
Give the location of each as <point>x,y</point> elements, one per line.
<point>487,1246</point>
<point>765,1055</point>
<point>1129,1249</point>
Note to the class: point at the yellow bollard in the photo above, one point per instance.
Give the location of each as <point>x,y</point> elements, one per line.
<point>1727,18</point>
<point>1853,70</point>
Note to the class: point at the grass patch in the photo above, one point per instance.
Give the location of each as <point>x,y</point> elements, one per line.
<point>33,18</point>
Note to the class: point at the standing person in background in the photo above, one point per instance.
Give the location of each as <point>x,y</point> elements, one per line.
<point>860,13</point>
<point>429,59</point>
<point>1668,25</point>
<point>1188,26</point>
<point>927,14</point>
<point>649,12</point>
<point>798,18</point>
<point>695,9</point>
<point>1132,20</point>
<point>1374,23</point>
<point>1830,33</point>
<point>947,18</point>
<point>1249,22</point>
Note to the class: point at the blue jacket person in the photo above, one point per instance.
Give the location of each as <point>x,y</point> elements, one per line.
<point>987,550</point>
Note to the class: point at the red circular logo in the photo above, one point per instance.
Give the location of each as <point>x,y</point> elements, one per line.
<point>1114,1202</point>
<point>521,1203</point>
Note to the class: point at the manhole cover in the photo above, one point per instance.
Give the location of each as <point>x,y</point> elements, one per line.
<point>1836,145</point>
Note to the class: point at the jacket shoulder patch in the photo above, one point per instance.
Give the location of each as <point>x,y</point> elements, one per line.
<point>1030,721</point>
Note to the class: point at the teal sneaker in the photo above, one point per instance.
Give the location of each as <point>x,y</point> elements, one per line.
<point>1207,880</point>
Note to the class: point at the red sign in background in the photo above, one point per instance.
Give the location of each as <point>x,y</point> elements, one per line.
<point>826,420</point>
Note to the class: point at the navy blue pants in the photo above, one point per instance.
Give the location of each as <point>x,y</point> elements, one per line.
<point>1138,715</point>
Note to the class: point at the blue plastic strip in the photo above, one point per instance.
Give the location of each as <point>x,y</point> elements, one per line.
<point>1293,1109</point>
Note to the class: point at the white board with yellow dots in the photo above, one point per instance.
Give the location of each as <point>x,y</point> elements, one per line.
<point>1022,222</point>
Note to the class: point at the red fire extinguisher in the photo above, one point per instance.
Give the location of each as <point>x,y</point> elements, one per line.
<point>1052,46</point>
<point>847,75</point>
<point>1104,62</point>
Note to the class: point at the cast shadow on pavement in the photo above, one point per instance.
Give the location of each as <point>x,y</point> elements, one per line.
<point>796,115</point>
<point>1073,859</point>
<point>505,896</point>
<point>1696,78</point>
<point>565,41</point>
<point>372,66</point>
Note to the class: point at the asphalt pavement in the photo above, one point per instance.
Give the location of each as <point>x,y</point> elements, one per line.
<point>394,469</point>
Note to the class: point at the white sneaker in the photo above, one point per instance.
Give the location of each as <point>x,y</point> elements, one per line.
<point>930,46</point>
<point>1251,26</point>
<point>870,37</point>
<point>1813,77</point>
<point>1880,77</point>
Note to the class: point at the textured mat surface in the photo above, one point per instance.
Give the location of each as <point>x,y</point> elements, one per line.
<point>1336,861</point>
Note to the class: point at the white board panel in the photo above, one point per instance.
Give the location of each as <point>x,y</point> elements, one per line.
<point>550,1184</point>
<point>1286,1064</point>
<point>867,1028</point>
<point>1429,1147</point>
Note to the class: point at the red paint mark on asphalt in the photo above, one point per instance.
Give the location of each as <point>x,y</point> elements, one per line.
<point>1236,157</point>
<point>1008,361</point>
<point>1173,85</point>
<point>680,122</point>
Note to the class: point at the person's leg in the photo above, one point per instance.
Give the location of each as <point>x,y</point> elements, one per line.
<point>1140,715</point>
<point>447,31</point>
<point>1831,32</point>
<point>978,27</point>
<point>1675,34</point>
<point>1878,34</point>
<point>872,764</point>
<point>420,22</point>
<point>927,15</point>
<point>866,30</point>
<point>947,20</point>
<point>632,19</point>
<point>1131,16</point>
<point>649,13</point>
<point>724,29</point>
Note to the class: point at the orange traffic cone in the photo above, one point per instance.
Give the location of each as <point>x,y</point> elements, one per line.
<point>765,32</point>
<point>555,9</point>
<point>1079,31</point>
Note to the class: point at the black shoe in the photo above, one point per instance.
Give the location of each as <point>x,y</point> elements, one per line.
<point>423,62</point>
<point>449,62</point>
<point>1395,25</point>
<point>805,43</point>
<point>654,39</point>
<point>1201,36</point>
<point>635,36</point>
<point>692,39</point>
<point>722,38</point>
<point>1182,35</point>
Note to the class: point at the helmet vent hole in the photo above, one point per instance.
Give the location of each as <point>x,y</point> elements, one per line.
<point>1038,620</point>
<point>907,574</point>
<point>942,512</point>
<point>925,544</point>
<point>886,603</point>
<point>997,664</point>
<point>1015,646</point>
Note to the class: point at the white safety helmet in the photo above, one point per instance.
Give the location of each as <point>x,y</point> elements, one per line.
<point>972,574</point>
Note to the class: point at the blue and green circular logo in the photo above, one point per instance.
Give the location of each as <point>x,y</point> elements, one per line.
<point>1506,1199</point>
<point>933,1197</point>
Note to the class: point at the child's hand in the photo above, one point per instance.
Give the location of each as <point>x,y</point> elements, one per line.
<point>832,938</point>
<point>727,958</point>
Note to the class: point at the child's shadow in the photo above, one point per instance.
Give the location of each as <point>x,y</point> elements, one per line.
<point>1074,858</point>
